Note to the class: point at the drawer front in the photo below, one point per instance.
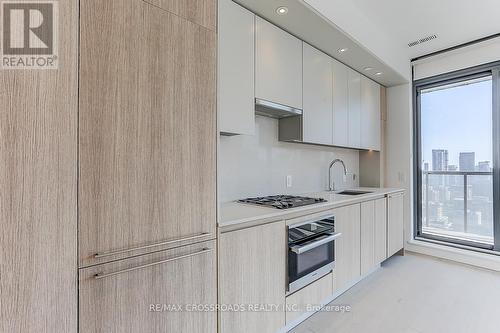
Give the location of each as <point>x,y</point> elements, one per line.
<point>151,293</point>
<point>312,295</point>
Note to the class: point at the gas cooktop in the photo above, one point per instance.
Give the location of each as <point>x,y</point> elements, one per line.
<point>282,201</point>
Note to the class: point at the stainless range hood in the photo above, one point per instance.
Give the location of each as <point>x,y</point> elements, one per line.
<point>275,110</point>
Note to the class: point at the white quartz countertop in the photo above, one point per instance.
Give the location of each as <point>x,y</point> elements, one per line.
<point>234,215</point>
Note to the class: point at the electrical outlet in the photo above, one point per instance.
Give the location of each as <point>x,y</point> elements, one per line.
<point>401,177</point>
<point>288,181</point>
<point>344,178</point>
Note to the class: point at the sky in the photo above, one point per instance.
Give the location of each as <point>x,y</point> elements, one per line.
<point>458,119</point>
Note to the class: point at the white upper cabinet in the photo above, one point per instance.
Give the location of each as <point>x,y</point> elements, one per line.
<point>340,104</point>
<point>354,83</point>
<point>278,62</point>
<point>317,116</point>
<point>236,69</point>
<point>370,114</point>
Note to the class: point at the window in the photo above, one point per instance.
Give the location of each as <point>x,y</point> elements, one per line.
<point>455,160</point>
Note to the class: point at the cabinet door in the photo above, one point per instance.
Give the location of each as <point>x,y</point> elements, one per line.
<point>318,108</point>
<point>38,190</point>
<point>151,293</point>
<point>236,84</point>
<point>354,109</point>
<point>340,104</point>
<point>278,72</point>
<point>147,130</point>
<point>395,223</point>
<point>348,246</point>
<point>370,114</point>
<point>252,271</point>
<point>380,230</point>
<point>367,236</point>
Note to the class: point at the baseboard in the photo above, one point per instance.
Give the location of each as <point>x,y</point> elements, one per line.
<point>467,257</point>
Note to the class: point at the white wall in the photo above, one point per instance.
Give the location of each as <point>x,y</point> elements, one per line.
<point>398,164</point>
<point>465,57</point>
<point>258,165</point>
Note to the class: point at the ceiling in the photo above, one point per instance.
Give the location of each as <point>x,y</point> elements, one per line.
<point>389,25</point>
<point>377,33</point>
<point>307,24</point>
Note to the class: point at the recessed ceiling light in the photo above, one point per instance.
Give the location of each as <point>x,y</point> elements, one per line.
<point>368,68</point>
<point>282,10</point>
<point>342,50</point>
<point>378,73</point>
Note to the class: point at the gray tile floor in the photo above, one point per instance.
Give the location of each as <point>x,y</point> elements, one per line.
<point>416,294</point>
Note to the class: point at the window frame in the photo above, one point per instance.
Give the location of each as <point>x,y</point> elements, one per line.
<point>493,70</point>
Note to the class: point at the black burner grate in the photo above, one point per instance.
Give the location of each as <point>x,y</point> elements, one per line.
<point>282,201</point>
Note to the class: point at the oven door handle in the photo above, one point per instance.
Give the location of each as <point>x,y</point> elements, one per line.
<point>304,248</point>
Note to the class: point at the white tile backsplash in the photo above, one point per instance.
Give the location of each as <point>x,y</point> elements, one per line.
<point>258,165</point>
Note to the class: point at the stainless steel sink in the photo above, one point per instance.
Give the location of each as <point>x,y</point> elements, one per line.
<point>354,192</point>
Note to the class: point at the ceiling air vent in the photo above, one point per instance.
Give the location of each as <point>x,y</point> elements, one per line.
<point>422,40</point>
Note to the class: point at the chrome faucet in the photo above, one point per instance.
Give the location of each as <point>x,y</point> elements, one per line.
<point>331,184</point>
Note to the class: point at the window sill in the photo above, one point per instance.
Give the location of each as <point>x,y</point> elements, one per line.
<point>480,259</point>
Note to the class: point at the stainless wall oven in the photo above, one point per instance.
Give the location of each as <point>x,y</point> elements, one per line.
<point>311,251</point>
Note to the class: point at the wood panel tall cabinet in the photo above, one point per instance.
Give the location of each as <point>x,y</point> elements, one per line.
<point>201,12</point>
<point>147,137</point>
<point>38,189</point>
<point>147,130</point>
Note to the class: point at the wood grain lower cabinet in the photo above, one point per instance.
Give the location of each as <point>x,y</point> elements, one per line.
<point>252,272</point>
<point>348,246</point>
<point>367,236</point>
<point>152,293</point>
<point>380,230</point>
<point>147,133</point>
<point>395,223</point>
<point>38,190</point>
<point>373,234</point>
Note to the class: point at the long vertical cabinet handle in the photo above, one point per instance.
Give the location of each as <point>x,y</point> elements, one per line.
<point>107,254</point>
<point>105,275</point>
